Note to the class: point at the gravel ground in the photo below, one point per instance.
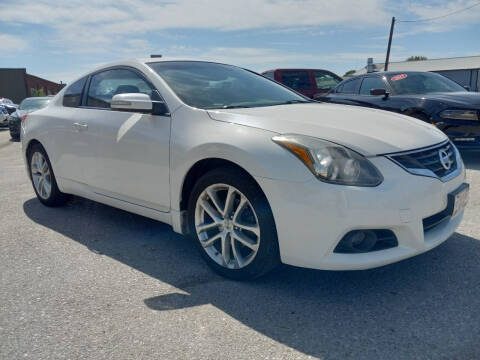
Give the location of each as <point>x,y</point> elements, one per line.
<point>88,281</point>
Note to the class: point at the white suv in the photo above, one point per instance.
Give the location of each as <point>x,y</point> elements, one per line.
<point>254,172</point>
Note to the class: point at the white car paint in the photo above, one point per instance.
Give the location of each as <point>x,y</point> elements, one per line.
<point>138,162</point>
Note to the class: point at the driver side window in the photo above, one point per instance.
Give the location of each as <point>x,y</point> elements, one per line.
<point>106,84</point>
<point>370,83</point>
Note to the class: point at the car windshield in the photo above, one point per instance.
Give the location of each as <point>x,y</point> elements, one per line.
<point>421,83</point>
<point>33,104</point>
<point>216,86</point>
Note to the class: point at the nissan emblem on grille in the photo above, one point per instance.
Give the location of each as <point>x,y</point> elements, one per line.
<point>445,159</point>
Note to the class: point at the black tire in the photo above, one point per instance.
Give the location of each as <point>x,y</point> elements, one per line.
<point>267,257</point>
<point>56,198</point>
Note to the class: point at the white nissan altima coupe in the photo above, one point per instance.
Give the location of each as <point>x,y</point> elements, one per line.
<point>255,173</point>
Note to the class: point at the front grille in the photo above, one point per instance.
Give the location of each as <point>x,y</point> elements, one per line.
<point>429,161</point>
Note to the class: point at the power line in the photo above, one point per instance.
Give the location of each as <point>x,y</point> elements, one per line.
<point>440,17</point>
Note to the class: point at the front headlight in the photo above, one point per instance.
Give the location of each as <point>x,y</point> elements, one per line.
<point>331,162</point>
<point>459,114</point>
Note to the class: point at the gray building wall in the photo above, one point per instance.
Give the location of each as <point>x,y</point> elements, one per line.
<point>13,84</point>
<point>464,77</point>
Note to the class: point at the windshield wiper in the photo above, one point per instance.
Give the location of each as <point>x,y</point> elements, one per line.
<point>295,102</point>
<point>234,106</point>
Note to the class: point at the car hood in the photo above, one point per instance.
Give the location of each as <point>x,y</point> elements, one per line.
<point>367,131</point>
<point>462,99</point>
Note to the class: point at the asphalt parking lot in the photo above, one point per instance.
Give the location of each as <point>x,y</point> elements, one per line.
<point>88,281</point>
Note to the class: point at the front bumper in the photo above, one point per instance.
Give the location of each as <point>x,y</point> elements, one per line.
<point>312,217</point>
<point>464,134</point>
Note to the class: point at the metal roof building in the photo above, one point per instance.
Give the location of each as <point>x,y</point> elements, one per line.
<point>463,70</point>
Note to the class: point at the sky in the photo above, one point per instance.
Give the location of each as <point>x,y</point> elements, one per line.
<point>63,39</point>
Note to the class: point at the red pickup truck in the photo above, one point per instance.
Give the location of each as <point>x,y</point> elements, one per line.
<point>309,82</point>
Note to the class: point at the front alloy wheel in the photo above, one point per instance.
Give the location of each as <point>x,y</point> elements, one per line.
<point>232,224</point>
<point>227,226</point>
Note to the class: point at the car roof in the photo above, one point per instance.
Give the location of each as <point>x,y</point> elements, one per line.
<point>146,61</point>
<point>386,73</point>
<point>297,69</point>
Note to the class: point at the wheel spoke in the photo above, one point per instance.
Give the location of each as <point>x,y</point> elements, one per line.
<point>225,249</point>
<point>47,187</point>
<point>40,184</point>
<point>214,214</point>
<point>237,257</point>
<point>215,200</point>
<point>208,226</point>
<point>244,240</point>
<point>239,209</point>
<point>229,202</point>
<point>253,228</point>
<point>211,241</point>
<point>36,179</point>
<point>45,167</point>
<point>38,161</point>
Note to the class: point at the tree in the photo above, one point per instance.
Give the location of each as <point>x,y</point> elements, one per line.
<point>417,58</point>
<point>349,72</point>
<point>39,92</point>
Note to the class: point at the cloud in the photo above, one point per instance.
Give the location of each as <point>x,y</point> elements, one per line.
<point>259,59</point>
<point>83,26</point>
<point>420,11</point>
<point>12,43</point>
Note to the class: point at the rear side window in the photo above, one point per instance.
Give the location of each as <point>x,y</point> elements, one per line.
<point>371,83</point>
<point>350,87</point>
<point>73,94</point>
<point>297,80</point>
<point>270,75</point>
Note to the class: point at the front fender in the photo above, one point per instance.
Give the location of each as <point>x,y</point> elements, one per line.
<point>250,148</point>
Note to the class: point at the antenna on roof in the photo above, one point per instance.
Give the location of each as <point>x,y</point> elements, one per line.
<point>155,56</point>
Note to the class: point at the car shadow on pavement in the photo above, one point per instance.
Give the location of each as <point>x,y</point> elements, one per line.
<point>429,304</point>
<point>471,159</point>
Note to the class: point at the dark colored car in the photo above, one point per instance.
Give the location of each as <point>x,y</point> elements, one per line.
<point>424,95</point>
<point>26,106</point>
<point>309,82</point>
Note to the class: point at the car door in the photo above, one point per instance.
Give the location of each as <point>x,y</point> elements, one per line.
<point>131,148</point>
<point>298,80</point>
<point>72,153</point>
<point>345,93</point>
<point>365,98</point>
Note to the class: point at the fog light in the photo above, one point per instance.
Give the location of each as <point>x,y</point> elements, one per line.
<point>362,241</point>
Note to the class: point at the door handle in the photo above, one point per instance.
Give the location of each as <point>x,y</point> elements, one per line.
<point>80,126</point>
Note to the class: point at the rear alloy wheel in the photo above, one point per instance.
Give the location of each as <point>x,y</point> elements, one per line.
<point>41,175</point>
<point>233,225</point>
<point>43,178</point>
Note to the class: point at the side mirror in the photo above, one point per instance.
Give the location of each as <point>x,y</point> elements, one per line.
<point>466,87</point>
<point>379,92</point>
<point>132,102</point>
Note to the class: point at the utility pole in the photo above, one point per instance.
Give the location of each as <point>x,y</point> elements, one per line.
<point>389,44</point>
